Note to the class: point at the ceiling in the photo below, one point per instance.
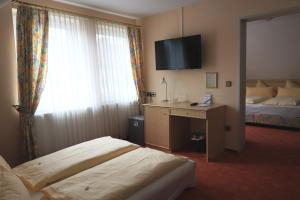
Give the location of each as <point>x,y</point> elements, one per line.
<point>134,8</point>
<point>288,18</point>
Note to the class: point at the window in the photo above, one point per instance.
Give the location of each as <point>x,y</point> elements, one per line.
<point>88,65</point>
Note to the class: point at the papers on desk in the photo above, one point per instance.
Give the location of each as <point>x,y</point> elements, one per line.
<point>203,105</point>
<point>207,101</point>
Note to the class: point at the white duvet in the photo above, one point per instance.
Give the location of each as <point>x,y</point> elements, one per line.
<point>51,168</point>
<point>118,178</point>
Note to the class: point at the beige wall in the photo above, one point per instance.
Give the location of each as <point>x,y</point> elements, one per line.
<point>10,139</point>
<point>273,48</point>
<point>219,24</point>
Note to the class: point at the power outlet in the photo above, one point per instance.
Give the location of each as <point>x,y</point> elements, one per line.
<point>228,83</point>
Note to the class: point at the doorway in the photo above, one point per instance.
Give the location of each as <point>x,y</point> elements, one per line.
<point>243,58</point>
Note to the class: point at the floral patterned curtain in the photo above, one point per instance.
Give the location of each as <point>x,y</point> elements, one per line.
<point>32,49</point>
<point>135,44</point>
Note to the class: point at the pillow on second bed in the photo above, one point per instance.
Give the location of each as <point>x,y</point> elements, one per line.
<point>288,92</point>
<point>260,83</point>
<point>254,100</point>
<point>283,101</point>
<point>291,84</point>
<point>259,91</point>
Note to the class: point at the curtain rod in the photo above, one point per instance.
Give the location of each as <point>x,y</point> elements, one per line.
<point>17,2</point>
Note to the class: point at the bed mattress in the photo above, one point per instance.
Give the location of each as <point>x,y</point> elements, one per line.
<point>168,187</point>
<point>284,116</point>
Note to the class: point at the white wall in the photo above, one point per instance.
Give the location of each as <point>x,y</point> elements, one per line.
<point>273,48</point>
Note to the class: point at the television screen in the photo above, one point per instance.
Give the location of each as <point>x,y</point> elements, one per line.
<point>178,53</point>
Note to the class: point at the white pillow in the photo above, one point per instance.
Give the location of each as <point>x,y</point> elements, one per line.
<point>283,101</point>
<point>4,164</point>
<point>255,99</point>
<point>291,84</point>
<point>11,187</point>
<point>260,83</point>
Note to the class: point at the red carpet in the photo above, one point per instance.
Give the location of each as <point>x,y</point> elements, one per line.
<point>268,169</point>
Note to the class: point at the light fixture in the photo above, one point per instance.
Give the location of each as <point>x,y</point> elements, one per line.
<point>165,82</point>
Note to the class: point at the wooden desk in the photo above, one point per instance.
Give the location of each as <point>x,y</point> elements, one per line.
<point>167,126</point>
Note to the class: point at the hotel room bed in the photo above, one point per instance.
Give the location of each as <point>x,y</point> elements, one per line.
<point>273,102</point>
<point>168,187</point>
<point>283,116</point>
<point>120,170</point>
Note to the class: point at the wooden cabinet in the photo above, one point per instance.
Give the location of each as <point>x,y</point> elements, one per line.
<point>168,126</point>
<point>157,128</point>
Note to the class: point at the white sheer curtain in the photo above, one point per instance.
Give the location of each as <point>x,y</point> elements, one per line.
<point>90,90</point>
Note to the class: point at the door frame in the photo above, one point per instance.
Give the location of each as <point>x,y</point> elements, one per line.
<point>242,61</point>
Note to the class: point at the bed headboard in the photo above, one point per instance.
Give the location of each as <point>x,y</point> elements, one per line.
<point>272,83</point>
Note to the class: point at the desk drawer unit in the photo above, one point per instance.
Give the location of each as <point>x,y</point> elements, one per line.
<point>189,113</point>
<point>157,126</point>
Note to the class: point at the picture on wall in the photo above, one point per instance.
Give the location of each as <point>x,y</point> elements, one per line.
<point>211,79</point>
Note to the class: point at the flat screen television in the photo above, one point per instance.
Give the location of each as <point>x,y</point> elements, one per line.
<point>178,53</point>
